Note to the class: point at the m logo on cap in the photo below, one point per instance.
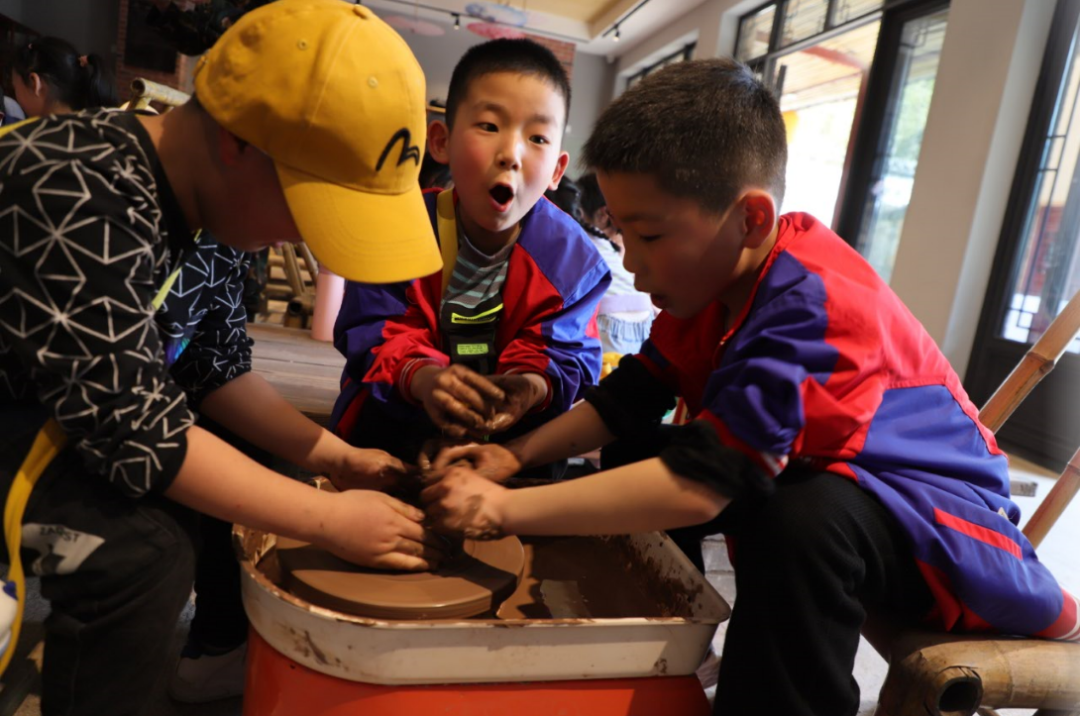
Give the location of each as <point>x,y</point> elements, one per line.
<point>407,151</point>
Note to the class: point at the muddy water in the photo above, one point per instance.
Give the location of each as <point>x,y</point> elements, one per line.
<point>579,578</point>
<point>582,578</point>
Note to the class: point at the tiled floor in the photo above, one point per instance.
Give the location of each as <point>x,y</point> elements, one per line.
<point>1058,552</point>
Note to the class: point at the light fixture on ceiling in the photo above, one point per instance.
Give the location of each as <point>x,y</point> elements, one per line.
<point>497,22</point>
<point>616,30</point>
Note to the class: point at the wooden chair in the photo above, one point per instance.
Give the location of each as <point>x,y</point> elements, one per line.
<point>935,674</point>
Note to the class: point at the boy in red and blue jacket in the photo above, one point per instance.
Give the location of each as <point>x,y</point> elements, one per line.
<point>504,338</point>
<point>831,441</point>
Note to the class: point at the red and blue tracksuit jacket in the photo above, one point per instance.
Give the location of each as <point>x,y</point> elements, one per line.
<point>826,366</point>
<point>554,282</point>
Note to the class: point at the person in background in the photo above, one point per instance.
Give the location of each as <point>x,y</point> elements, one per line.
<point>594,211</point>
<point>51,77</point>
<point>10,111</point>
<point>626,314</point>
<point>433,174</point>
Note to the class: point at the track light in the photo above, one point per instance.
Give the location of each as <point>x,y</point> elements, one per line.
<point>457,21</point>
<point>618,34</point>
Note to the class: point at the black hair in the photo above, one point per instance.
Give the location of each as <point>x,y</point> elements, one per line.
<point>592,199</point>
<point>566,197</point>
<point>79,81</point>
<point>433,175</point>
<point>523,57</point>
<point>706,129</point>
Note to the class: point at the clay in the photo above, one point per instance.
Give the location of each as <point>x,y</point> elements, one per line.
<point>472,584</point>
<point>563,578</point>
<point>585,578</point>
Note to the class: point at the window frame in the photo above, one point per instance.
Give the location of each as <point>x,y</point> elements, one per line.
<point>687,52</point>
<point>830,28</point>
<point>1031,432</point>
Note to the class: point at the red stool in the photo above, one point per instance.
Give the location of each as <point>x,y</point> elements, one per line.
<point>278,686</point>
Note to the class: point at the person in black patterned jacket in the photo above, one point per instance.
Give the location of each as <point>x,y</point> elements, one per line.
<point>97,211</point>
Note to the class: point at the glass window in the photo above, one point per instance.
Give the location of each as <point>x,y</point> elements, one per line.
<point>680,55</point>
<point>1048,271</point>
<point>754,33</point>
<point>819,92</point>
<point>803,18</point>
<point>893,174</point>
<point>848,10</point>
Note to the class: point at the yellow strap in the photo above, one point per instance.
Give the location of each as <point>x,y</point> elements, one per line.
<point>492,314</point>
<point>49,441</point>
<point>47,445</point>
<point>447,227</point>
<point>5,130</point>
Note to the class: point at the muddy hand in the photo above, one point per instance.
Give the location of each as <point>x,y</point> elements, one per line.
<point>373,529</point>
<point>457,400</point>
<point>431,449</point>
<point>361,469</point>
<point>494,462</point>
<point>523,393</point>
<point>466,504</point>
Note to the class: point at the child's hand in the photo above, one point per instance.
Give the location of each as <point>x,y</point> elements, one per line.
<point>523,392</point>
<point>456,399</point>
<point>375,530</point>
<point>360,469</point>
<point>464,503</point>
<point>431,449</point>
<point>493,462</point>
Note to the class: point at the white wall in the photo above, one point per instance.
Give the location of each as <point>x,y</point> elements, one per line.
<point>438,55</point>
<point>592,92</point>
<point>713,24</point>
<point>969,153</point>
<point>986,80</point>
<point>590,87</point>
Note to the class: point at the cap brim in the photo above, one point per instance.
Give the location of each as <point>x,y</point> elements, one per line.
<point>370,238</point>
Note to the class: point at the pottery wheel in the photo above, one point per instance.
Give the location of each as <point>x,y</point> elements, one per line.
<point>474,582</point>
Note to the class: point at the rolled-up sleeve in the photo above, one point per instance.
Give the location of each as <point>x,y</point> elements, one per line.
<point>219,350</point>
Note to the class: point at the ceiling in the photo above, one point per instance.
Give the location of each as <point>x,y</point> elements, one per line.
<point>583,22</point>
<point>583,10</point>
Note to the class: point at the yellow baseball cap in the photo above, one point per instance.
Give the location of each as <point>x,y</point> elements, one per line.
<point>335,97</point>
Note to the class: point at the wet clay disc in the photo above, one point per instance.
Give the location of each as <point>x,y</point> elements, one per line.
<point>475,582</point>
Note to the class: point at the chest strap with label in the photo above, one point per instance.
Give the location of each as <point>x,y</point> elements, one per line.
<point>468,335</point>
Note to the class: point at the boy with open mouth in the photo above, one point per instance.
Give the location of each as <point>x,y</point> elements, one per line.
<point>504,338</point>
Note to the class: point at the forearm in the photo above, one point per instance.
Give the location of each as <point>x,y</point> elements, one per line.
<point>575,432</point>
<point>220,481</point>
<point>252,409</point>
<point>641,497</point>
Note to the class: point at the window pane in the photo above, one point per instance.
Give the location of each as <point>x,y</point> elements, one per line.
<point>847,10</point>
<point>905,119</point>
<point>803,18</point>
<point>819,92</point>
<point>754,32</point>
<point>1048,259</point>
